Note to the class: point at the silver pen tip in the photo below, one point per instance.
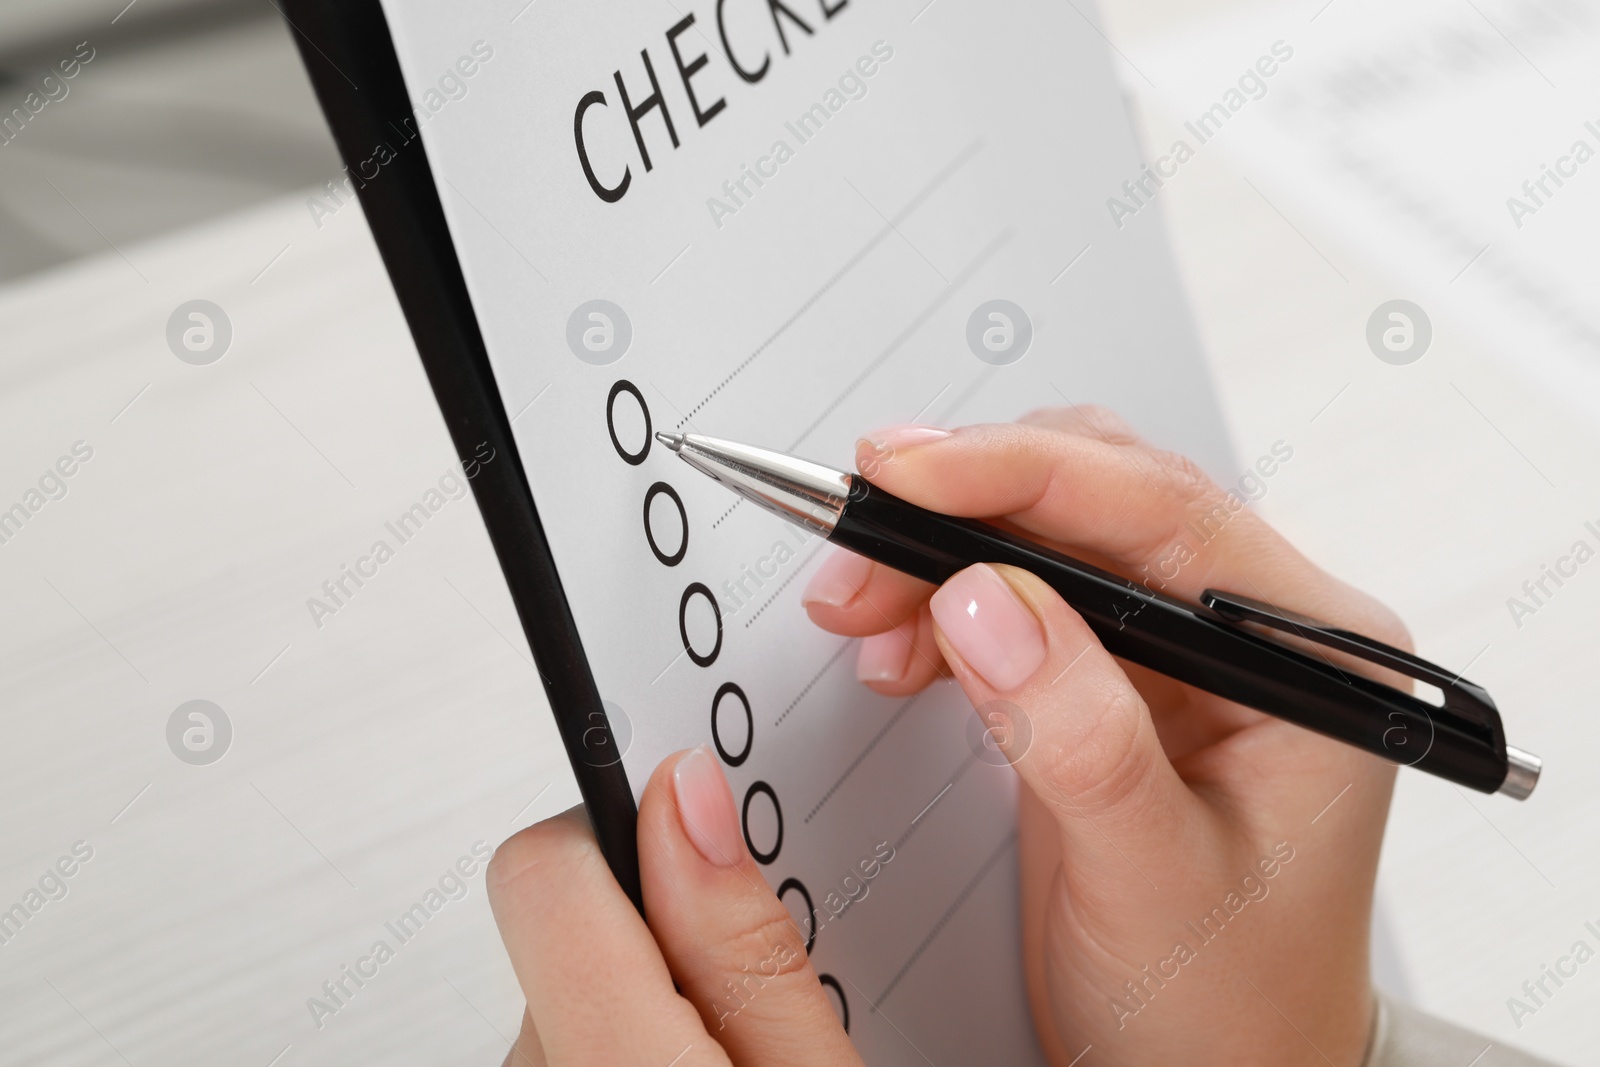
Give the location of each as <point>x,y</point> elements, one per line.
<point>673,441</point>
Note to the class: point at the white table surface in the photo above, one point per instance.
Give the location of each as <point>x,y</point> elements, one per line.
<point>368,755</point>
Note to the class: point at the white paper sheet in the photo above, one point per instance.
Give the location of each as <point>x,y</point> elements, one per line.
<point>971,165</point>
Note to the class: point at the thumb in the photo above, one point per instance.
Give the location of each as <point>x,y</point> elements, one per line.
<point>1072,725</point>
<point>730,943</point>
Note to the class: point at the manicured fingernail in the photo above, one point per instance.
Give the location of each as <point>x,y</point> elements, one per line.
<point>838,581</point>
<point>990,628</point>
<point>883,657</point>
<point>705,807</point>
<point>891,438</point>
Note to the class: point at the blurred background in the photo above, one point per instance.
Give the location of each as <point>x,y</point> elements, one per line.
<point>1446,474</point>
<point>188,111</point>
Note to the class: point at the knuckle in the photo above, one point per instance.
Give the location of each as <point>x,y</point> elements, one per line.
<point>1195,503</point>
<point>1099,414</point>
<point>1084,420</point>
<point>1106,421</point>
<point>534,858</point>
<point>760,967</point>
<point>1045,416</point>
<point>1183,478</point>
<point>1375,619</point>
<point>1342,604</point>
<point>1105,764</point>
<point>769,945</point>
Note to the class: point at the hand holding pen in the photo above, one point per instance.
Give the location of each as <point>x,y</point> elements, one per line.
<point>1207,641</point>
<point>1146,803</point>
<point>1197,877</point>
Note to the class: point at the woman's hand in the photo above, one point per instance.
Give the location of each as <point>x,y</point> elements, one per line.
<point>600,983</point>
<point>1197,877</point>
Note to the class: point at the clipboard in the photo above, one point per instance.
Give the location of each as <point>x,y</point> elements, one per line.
<point>352,65</point>
<point>1137,334</point>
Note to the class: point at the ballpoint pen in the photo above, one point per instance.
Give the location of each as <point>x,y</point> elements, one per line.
<point>1207,645</point>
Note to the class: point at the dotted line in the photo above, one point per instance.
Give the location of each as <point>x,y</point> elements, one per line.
<point>779,591</point>
<point>725,514</point>
<point>831,282</point>
<point>815,678</point>
<point>994,858</point>
<point>906,334</point>
<point>848,771</point>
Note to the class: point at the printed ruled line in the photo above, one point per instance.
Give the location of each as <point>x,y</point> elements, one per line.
<point>915,202</point>
<point>899,713</point>
<point>790,321</point>
<point>944,920</point>
<point>961,771</point>
<point>785,584</point>
<point>906,334</point>
<point>815,678</point>
<point>984,377</point>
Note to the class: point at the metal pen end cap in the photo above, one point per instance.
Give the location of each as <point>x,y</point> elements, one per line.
<point>673,441</point>
<point>1522,773</point>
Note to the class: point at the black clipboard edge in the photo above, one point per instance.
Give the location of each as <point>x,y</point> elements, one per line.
<point>350,58</point>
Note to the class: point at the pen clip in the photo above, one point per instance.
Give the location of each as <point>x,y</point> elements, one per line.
<point>1467,702</point>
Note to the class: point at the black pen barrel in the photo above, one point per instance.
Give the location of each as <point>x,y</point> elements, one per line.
<point>1179,640</point>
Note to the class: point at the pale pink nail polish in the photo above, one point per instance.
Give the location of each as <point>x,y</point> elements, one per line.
<point>990,628</point>
<point>705,808</point>
<point>884,657</point>
<point>838,581</point>
<point>905,435</point>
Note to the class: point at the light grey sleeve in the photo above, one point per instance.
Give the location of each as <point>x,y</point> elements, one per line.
<point>1405,1037</point>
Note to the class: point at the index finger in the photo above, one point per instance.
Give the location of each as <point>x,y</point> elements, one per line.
<point>1153,516</point>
